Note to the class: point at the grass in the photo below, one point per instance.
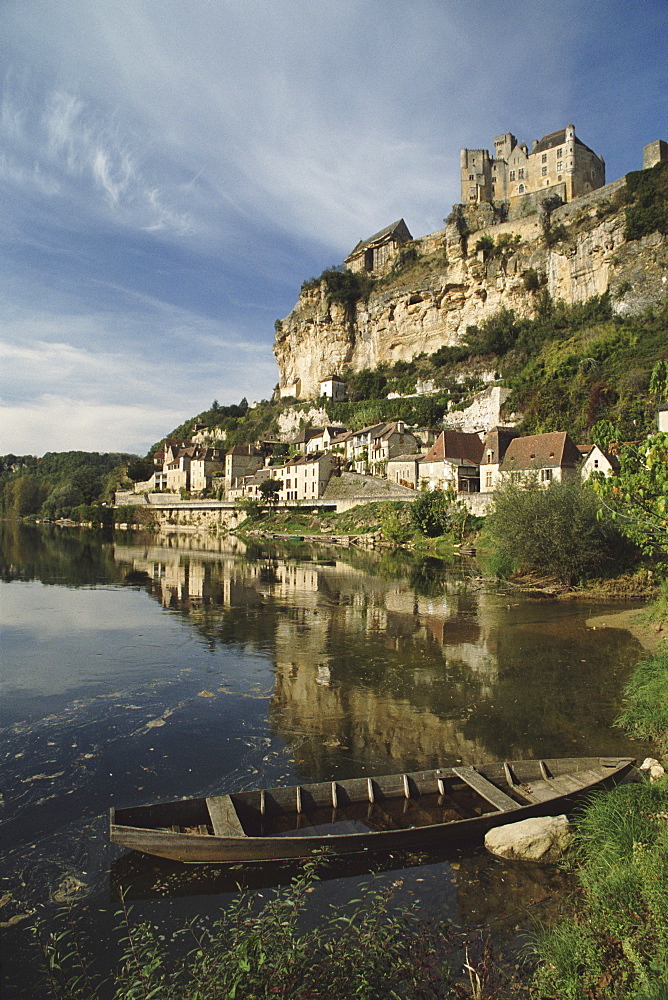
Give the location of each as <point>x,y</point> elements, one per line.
<point>645,713</point>
<point>615,947</point>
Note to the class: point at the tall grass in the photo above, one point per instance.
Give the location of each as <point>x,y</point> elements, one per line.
<point>365,951</point>
<point>645,712</point>
<point>616,946</point>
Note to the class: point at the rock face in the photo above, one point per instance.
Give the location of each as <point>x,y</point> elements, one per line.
<point>452,286</point>
<point>543,839</point>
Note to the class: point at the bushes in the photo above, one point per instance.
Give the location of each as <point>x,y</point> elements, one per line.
<point>431,512</point>
<point>556,531</point>
<point>649,211</point>
<point>342,286</point>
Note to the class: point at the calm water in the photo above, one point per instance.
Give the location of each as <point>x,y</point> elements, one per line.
<point>136,668</point>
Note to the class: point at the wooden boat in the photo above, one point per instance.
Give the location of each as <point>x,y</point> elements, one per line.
<point>441,806</point>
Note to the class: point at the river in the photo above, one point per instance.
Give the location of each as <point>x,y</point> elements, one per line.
<point>141,667</point>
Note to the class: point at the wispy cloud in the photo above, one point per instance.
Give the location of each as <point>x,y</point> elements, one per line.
<point>170,173</point>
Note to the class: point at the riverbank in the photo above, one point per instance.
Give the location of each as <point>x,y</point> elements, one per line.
<point>651,635</point>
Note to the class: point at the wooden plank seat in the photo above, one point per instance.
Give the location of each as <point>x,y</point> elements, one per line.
<point>485,788</point>
<point>224,817</point>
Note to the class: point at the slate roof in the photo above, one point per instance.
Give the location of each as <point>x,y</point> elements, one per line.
<point>398,228</point>
<point>557,139</point>
<point>539,451</point>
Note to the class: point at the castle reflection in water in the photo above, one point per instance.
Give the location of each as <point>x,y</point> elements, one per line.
<point>383,662</point>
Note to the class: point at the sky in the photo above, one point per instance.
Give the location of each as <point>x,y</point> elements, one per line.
<point>172,170</point>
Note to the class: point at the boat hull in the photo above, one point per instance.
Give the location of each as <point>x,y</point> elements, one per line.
<point>514,791</point>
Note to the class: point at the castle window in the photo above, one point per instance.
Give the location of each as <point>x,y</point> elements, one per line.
<point>544,171</point>
<point>521,189</point>
<point>471,177</point>
<point>559,177</point>
<point>560,165</point>
<point>543,158</point>
<point>559,151</point>
<point>520,173</point>
<point>512,175</point>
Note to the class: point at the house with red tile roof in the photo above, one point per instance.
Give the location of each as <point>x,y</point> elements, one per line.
<point>552,457</point>
<point>453,463</point>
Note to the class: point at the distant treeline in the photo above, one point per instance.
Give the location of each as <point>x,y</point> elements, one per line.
<point>65,484</point>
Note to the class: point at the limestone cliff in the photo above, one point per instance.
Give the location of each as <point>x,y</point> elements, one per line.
<point>578,251</point>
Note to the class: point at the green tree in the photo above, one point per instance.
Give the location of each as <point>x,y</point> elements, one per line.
<point>556,531</point>
<point>251,507</point>
<point>604,433</point>
<point>270,488</point>
<point>637,497</point>
<point>431,512</point>
<point>25,496</point>
<point>658,383</point>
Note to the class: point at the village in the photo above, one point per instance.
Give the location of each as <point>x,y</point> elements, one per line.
<point>389,458</point>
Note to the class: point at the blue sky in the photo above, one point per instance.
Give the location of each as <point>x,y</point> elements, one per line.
<point>172,170</point>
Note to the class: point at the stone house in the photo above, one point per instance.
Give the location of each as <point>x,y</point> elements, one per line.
<point>552,457</point>
<point>203,464</point>
<point>320,438</point>
<point>377,254</point>
<point>241,460</point>
<point>249,486</point>
<point>558,164</point>
<point>304,477</point>
<point>404,470</point>
<point>189,468</point>
<point>453,463</point>
<point>493,449</point>
<point>392,439</point>
<point>597,460</point>
<point>333,388</point>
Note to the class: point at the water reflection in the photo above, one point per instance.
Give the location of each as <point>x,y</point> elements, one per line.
<point>376,671</point>
<point>157,666</point>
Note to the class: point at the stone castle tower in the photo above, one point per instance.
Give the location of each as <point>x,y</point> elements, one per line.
<point>559,164</point>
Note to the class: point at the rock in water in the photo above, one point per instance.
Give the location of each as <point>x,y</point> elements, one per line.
<point>543,839</point>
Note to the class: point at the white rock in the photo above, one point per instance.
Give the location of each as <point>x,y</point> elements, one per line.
<point>653,768</point>
<point>543,839</point>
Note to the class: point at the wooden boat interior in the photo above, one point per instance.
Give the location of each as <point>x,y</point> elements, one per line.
<point>364,805</point>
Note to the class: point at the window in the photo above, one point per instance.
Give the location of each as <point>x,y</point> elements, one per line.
<point>471,177</point>
<point>544,171</point>
<point>545,475</point>
<point>560,165</point>
<point>543,158</point>
<point>488,479</point>
<point>512,175</point>
<point>520,173</point>
<point>521,189</point>
<point>559,152</point>
<point>559,177</point>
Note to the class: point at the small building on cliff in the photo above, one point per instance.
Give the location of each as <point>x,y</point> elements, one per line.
<point>377,254</point>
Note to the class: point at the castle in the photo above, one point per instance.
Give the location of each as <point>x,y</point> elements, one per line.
<point>558,165</point>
